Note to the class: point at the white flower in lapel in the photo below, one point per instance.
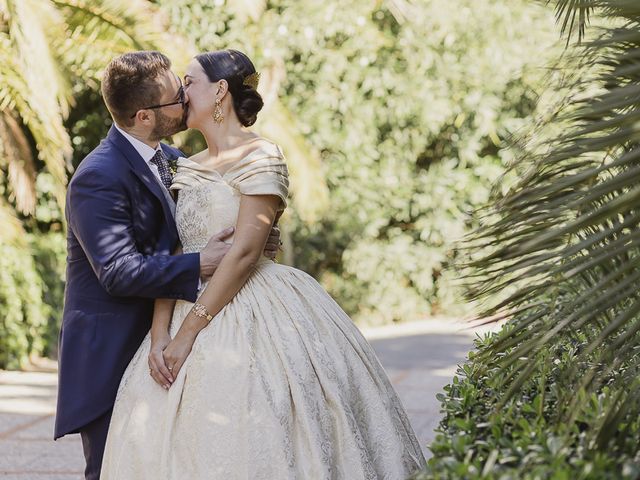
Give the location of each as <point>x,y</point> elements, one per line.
<point>173,166</point>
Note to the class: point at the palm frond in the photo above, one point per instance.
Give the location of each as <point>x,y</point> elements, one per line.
<point>402,10</point>
<point>35,96</point>
<point>565,242</point>
<point>573,16</point>
<point>17,158</point>
<point>12,232</point>
<point>119,19</point>
<point>46,47</point>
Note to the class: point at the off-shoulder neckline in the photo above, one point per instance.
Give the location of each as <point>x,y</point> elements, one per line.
<point>234,165</point>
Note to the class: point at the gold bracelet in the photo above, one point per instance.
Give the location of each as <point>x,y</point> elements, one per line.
<point>199,310</point>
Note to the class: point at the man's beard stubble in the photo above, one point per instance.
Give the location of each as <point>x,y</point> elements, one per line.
<point>167,126</point>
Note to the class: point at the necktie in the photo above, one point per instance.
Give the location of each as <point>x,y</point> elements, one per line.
<point>160,161</point>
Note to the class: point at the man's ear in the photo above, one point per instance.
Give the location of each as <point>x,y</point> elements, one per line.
<point>144,116</point>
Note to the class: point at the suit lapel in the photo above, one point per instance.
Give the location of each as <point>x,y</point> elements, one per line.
<point>142,171</point>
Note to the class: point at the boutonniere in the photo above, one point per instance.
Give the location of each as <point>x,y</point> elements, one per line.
<point>173,166</point>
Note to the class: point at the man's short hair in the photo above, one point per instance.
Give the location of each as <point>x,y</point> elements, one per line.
<point>130,83</point>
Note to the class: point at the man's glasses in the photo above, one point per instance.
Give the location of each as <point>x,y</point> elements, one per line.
<point>179,101</point>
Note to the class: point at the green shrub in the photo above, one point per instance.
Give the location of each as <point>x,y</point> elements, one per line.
<point>23,315</point>
<point>523,439</point>
<point>32,267</point>
<point>49,252</point>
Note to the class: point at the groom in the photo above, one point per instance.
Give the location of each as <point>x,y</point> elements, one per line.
<point>121,233</point>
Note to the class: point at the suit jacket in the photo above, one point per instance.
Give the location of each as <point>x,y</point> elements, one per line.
<point>121,233</point>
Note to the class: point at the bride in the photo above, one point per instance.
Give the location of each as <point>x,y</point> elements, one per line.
<point>264,377</point>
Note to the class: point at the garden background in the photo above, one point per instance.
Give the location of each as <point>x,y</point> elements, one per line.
<point>394,117</point>
<point>408,126</point>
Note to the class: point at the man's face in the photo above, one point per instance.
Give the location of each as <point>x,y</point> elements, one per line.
<point>173,118</point>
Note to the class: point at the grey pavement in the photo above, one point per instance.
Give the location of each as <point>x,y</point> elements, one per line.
<point>420,358</point>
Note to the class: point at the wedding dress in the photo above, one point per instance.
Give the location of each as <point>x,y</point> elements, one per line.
<point>280,385</point>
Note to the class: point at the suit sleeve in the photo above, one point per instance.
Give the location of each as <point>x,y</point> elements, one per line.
<point>100,215</point>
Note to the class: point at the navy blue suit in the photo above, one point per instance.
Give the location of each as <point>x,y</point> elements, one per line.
<point>120,237</point>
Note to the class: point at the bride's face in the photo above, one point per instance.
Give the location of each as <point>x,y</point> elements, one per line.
<point>201,95</point>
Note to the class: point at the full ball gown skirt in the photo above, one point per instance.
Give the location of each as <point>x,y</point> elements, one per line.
<point>280,385</point>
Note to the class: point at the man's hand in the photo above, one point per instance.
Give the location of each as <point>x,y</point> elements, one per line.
<point>273,243</point>
<point>211,255</point>
<point>216,249</point>
<point>157,367</point>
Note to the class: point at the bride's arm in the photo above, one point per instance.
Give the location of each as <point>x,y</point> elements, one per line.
<point>162,313</point>
<point>255,218</point>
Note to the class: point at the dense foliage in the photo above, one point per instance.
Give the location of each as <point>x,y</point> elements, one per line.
<point>393,116</point>
<point>555,395</point>
<point>524,439</point>
<point>409,108</point>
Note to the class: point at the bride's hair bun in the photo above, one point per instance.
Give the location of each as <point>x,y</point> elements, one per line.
<point>247,103</point>
<point>234,67</point>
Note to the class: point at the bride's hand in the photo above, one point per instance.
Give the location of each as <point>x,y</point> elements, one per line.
<point>177,352</point>
<point>157,367</point>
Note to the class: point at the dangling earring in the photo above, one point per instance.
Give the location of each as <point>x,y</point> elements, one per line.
<point>217,112</point>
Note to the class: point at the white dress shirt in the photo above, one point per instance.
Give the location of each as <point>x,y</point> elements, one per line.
<point>145,151</point>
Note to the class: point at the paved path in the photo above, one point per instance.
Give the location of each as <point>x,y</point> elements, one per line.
<point>420,359</point>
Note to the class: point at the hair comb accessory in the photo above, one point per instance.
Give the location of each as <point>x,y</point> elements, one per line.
<point>252,80</point>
